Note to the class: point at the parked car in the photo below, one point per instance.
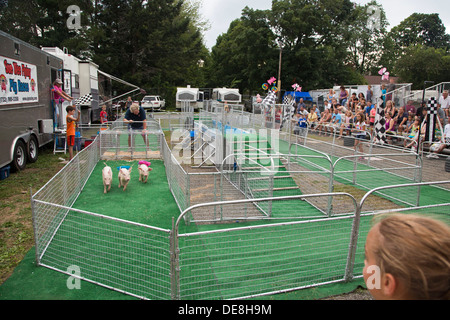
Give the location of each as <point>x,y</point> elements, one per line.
<point>153,103</point>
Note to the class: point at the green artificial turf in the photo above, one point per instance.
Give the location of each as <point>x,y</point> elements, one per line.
<point>206,260</point>
<point>148,203</point>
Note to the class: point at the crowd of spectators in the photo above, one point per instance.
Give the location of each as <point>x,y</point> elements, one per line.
<point>341,110</point>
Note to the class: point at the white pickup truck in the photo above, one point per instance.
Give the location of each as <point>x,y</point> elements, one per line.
<point>153,103</point>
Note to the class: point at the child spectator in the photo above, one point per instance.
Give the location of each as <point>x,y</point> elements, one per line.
<point>312,117</point>
<point>369,93</point>
<point>103,115</point>
<point>413,129</point>
<point>367,108</point>
<point>71,124</point>
<point>353,101</point>
<point>415,140</point>
<point>336,120</point>
<point>302,126</point>
<point>407,257</point>
<point>409,122</point>
<point>278,114</point>
<point>347,124</point>
<point>360,132</point>
<point>373,113</point>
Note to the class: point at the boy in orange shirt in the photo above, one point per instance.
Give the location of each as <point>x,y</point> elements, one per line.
<point>70,132</point>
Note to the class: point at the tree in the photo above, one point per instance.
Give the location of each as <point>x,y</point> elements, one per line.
<point>147,43</point>
<point>421,29</point>
<point>245,54</point>
<point>417,30</point>
<point>43,22</point>
<point>421,63</point>
<point>312,34</point>
<point>367,36</point>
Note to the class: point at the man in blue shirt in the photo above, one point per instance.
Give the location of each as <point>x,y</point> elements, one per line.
<point>137,120</point>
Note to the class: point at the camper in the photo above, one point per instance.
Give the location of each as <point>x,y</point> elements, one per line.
<point>80,78</point>
<point>191,97</point>
<point>227,95</point>
<point>26,77</point>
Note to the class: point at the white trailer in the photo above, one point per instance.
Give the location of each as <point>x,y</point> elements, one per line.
<point>227,95</point>
<point>189,96</point>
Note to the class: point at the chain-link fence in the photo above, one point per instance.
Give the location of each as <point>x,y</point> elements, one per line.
<point>292,238</point>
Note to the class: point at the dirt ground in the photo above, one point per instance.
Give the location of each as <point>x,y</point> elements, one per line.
<point>358,294</point>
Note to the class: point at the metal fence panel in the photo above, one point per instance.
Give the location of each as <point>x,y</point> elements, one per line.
<point>117,254</point>
<point>262,258</point>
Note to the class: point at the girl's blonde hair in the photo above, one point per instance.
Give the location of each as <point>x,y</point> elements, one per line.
<point>416,250</point>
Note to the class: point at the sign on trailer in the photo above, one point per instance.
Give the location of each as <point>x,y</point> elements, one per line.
<point>18,82</point>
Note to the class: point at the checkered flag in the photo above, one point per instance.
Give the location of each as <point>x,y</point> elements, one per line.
<point>431,119</point>
<point>380,125</point>
<point>289,109</point>
<point>84,100</point>
<point>269,100</point>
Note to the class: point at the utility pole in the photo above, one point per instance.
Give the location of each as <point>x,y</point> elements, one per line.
<point>279,72</point>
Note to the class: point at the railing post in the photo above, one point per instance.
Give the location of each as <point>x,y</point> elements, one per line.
<point>34,222</point>
<point>173,274</point>
<point>330,189</point>
<point>353,244</point>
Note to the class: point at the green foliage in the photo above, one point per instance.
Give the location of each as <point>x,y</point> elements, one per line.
<point>421,29</point>
<point>309,33</point>
<point>422,63</point>
<point>157,44</point>
<point>147,43</point>
<point>418,30</point>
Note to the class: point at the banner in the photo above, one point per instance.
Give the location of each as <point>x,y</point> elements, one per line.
<point>18,82</point>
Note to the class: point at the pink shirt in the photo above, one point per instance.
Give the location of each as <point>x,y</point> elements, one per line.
<point>56,93</point>
<point>373,112</point>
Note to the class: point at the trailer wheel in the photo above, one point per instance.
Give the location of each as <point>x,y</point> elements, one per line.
<point>20,156</point>
<point>33,150</point>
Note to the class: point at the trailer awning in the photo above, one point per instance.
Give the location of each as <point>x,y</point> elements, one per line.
<point>117,79</point>
<point>123,82</point>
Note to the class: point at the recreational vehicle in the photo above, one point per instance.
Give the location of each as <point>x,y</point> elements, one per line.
<point>188,97</point>
<point>26,77</point>
<point>80,78</point>
<point>227,95</point>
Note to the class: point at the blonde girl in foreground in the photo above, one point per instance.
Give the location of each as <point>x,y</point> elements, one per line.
<point>408,258</point>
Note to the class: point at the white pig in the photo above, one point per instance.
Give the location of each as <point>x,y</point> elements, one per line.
<point>107,178</point>
<point>124,177</point>
<point>143,172</point>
